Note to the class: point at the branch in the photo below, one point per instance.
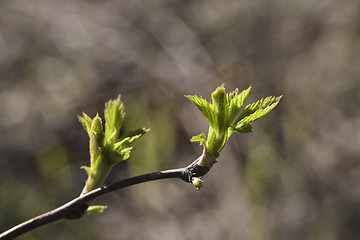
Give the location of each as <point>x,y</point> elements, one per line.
<point>77,207</point>
<point>224,115</point>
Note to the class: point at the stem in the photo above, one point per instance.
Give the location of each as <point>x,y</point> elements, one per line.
<point>77,207</point>
<point>98,176</point>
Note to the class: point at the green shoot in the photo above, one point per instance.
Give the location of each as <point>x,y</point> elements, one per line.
<point>107,147</point>
<point>225,117</point>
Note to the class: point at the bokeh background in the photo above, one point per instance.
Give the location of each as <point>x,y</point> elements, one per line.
<point>297,176</point>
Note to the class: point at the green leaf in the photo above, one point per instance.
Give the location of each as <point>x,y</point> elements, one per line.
<point>206,108</point>
<point>114,118</point>
<point>106,148</point>
<point>220,104</point>
<point>255,111</point>
<point>96,209</point>
<point>243,128</point>
<point>221,113</point>
<point>122,146</point>
<point>266,105</point>
<point>96,126</point>
<point>236,102</point>
<point>131,137</point>
<point>201,138</point>
<point>96,137</point>
<point>85,120</point>
<point>87,170</point>
<point>125,153</point>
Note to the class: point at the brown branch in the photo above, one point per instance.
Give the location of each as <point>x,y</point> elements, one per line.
<point>78,206</point>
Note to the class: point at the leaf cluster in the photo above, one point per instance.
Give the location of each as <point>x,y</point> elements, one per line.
<point>106,146</point>
<point>226,115</point>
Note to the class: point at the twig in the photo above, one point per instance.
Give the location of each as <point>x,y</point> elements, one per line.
<point>77,207</point>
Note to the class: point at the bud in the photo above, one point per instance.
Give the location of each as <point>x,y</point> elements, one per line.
<point>198,183</point>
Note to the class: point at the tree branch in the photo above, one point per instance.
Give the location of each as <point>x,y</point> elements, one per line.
<point>77,207</point>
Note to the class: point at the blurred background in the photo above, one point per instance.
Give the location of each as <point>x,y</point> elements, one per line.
<point>295,177</point>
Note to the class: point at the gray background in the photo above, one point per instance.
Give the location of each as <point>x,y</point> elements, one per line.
<point>295,177</point>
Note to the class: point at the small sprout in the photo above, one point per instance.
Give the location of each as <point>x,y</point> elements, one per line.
<point>96,209</point>
<point>198,183</point>
<point>107,147</point>
<point>201,138</point>
<point>225,116</point>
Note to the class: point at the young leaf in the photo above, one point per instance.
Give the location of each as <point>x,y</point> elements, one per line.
<point>132,136</point>
<point>96,209</point>
<point>236,102</point>
<point>255,111</point>
<point>206,108</point>
<point>87,170</point>
<point>243,128</point>
<point>220,104</point>
<point>96,137</point>
<point>96,126</point>
<point>114,118</point>
<point>125,153</point>
<point>122,146</point>
<point>106,149</point>
<point>85,120</point>
<point>201,138</point>
<point>263,104</point>
<point>225,108</point>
